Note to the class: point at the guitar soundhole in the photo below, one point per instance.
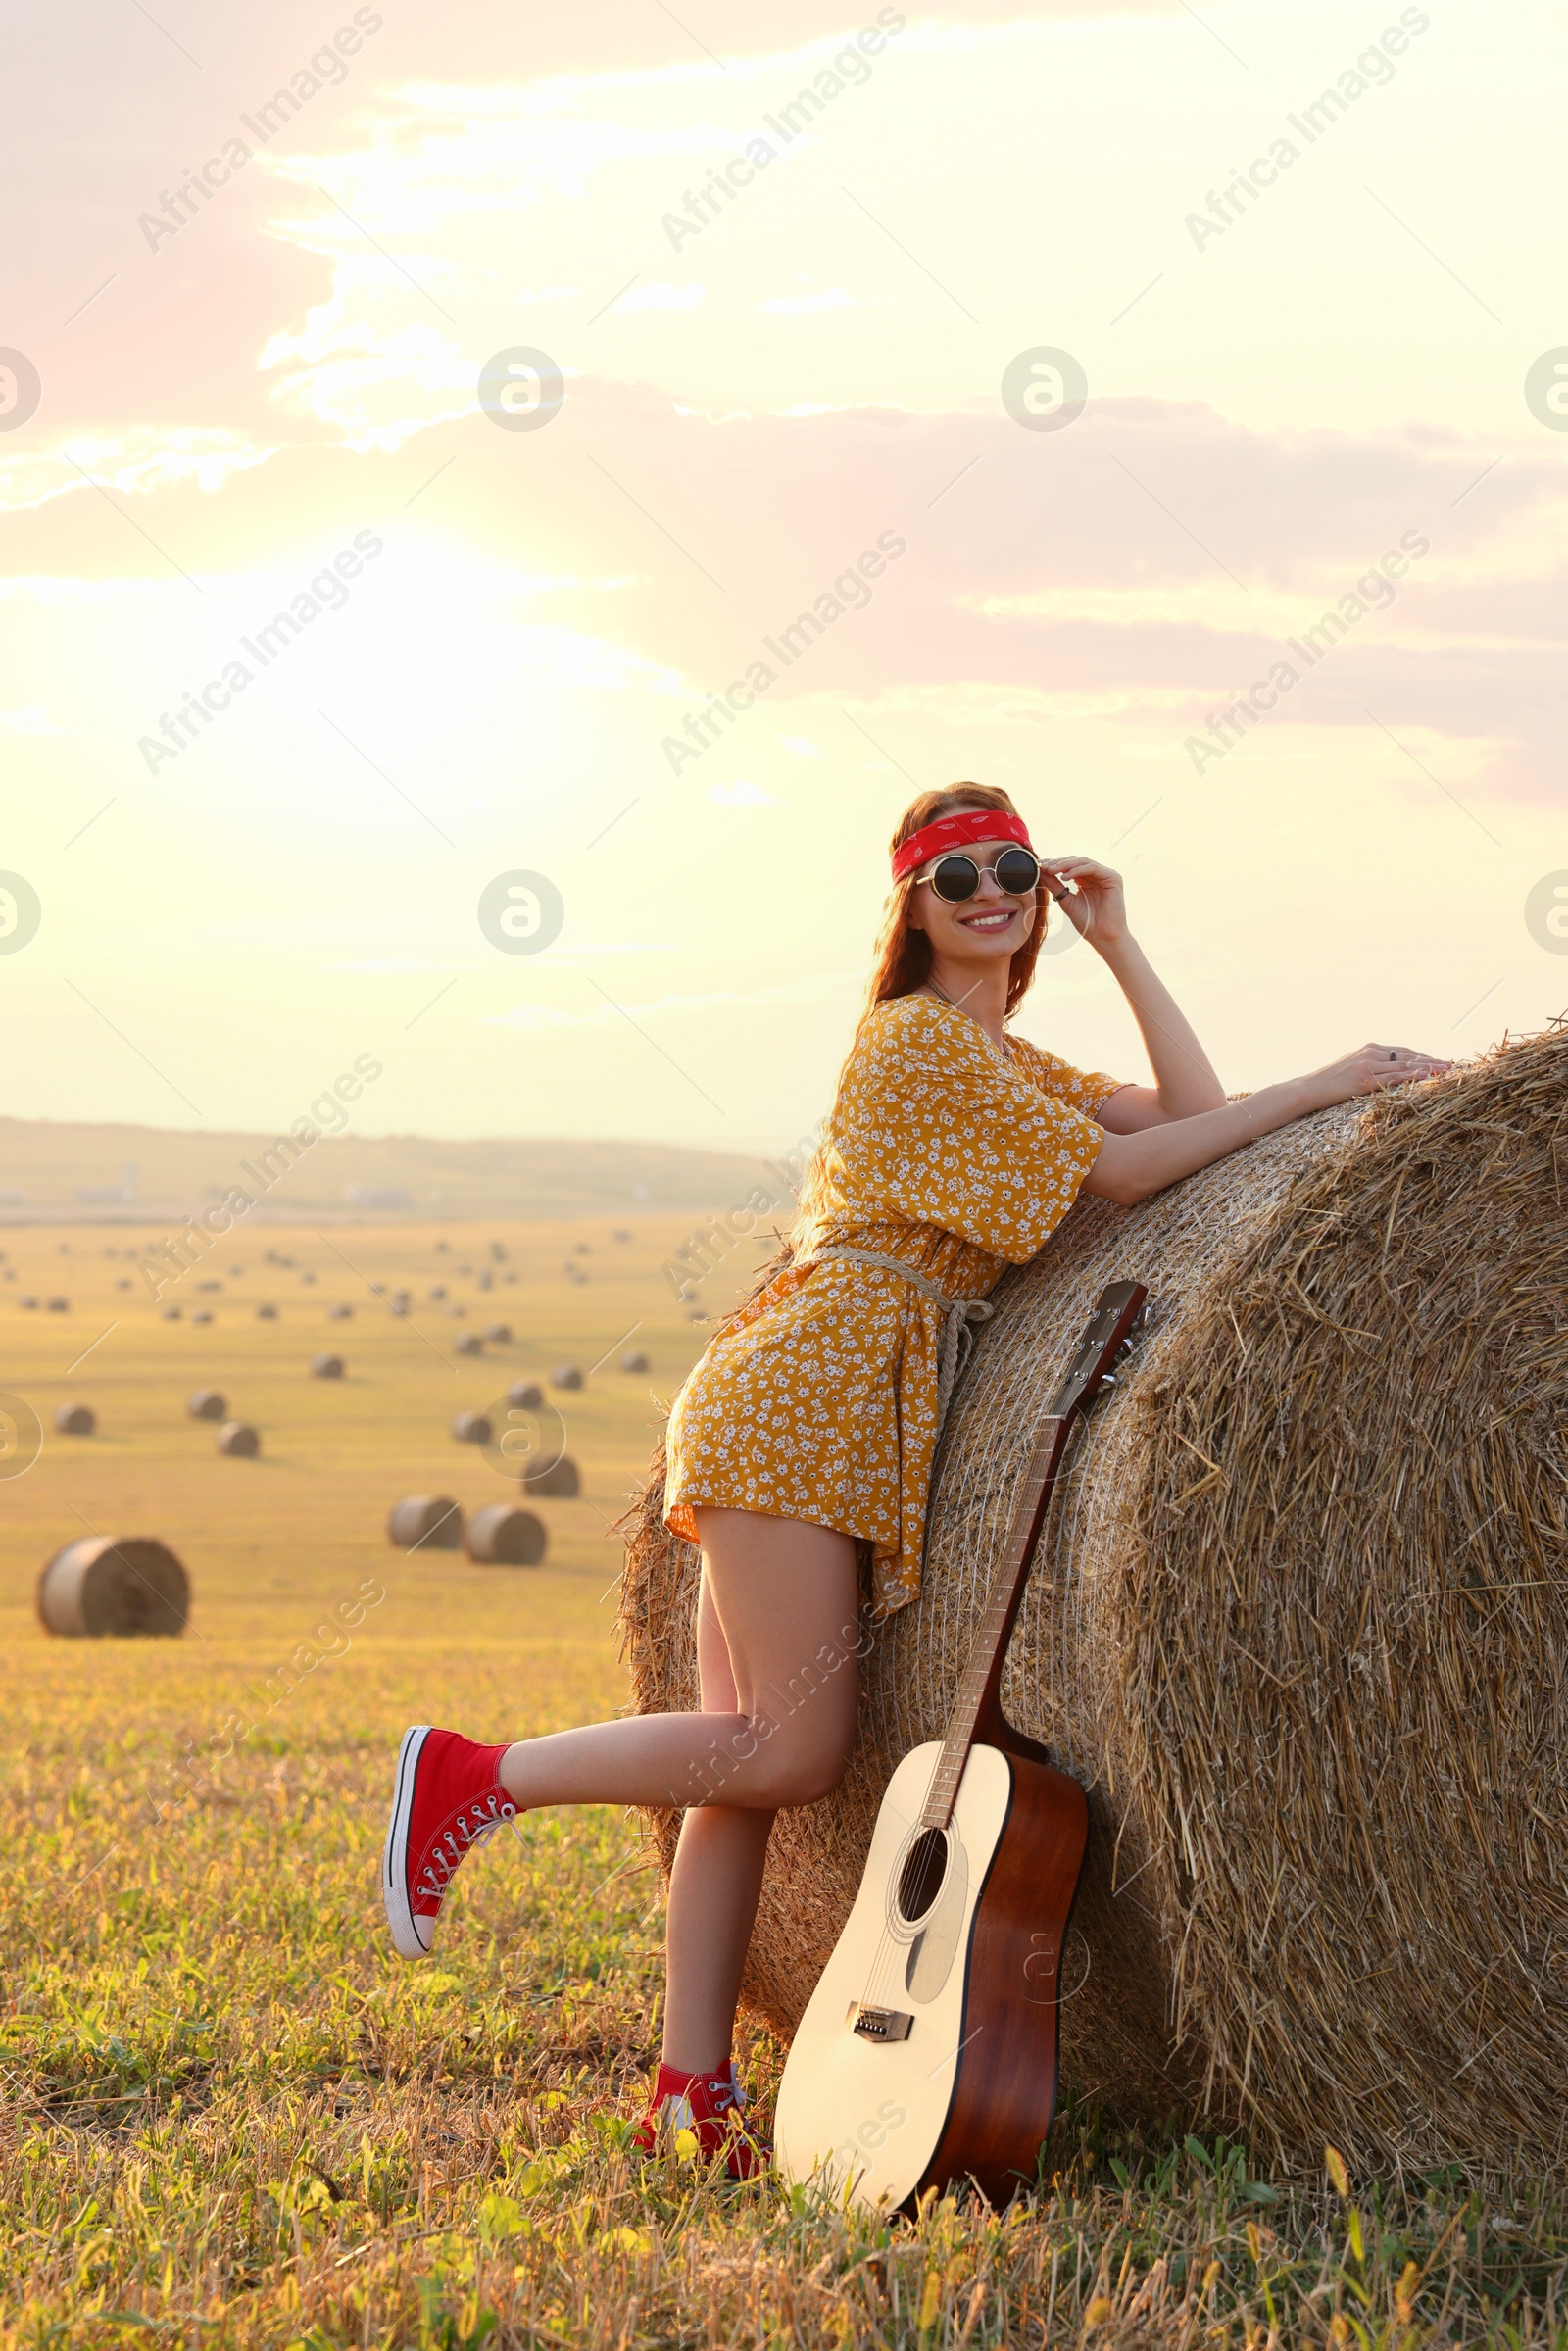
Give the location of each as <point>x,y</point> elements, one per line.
<point>920,1880</point>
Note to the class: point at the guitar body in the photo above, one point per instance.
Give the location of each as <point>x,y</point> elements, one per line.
<point>927,2053</point>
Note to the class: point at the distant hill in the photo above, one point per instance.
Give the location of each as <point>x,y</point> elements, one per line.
<point>51,1173</point>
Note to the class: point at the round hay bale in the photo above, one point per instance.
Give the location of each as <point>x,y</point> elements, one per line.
<point>339,1312</point>
<point>471,1428</point>
<point>239,1438</point>
<point>401,1302</point>
<point>326,1367</point>
<point>525,1396</point>
<point>76,1420</point>
<point>169,1313</point>
<point>503,1536</point>
<point>427,1522</point>
<point>205,1404</point>
<point>60,1305</point>
<point>95,1588</point>
<point>557,1484</point>
<point>267,1314</point>
<point>566,1375</point>
<point>499,1334</point>
<point>202,1314</point>
<point>1299,1624</point>
<point>634,1360</point>
<point>468,1342</point>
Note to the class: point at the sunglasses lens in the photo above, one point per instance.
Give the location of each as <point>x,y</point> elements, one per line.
<point>956,879</point>
<point>1017,872</point>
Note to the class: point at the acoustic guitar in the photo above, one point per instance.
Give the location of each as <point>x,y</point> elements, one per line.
<point>927,2053</point>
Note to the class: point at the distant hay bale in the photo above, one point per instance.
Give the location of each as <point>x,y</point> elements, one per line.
<point>634,1360</point>
<point>525,1396</point>
<point>503,1536</point>
<point>169,1313</point>
<point>202,1314</point>
<point>425,1522</point>
<point>468,1342</point>
<point>205,1404</point>
<point>401,1301</point>
<point>339,1311</point>
<point>76,1420</point>
<point>326,1367</point>
<point>557,1484</point>
<point>95,1588</point>
<point>471,1428</point>
<point>1299,1624</point>
<point>238,1438</point>
<point>566,1375</point>
<point>267,1314</point>
<point>499,1334</point>
<point>60,1305</point>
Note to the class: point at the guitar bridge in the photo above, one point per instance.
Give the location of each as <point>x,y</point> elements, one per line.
<point>880,2024</point>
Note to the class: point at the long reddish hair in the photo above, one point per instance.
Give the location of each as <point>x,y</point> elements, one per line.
<point>903,959</point>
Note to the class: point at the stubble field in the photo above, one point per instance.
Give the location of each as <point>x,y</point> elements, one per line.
<point>231,2118</point>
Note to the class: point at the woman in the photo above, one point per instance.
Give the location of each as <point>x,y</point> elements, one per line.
<point>808,1426</point>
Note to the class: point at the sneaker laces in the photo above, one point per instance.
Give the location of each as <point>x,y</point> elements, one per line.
<point>472,1826</point>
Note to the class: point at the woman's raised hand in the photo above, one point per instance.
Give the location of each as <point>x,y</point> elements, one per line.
<point>1099,909</point>
<point>1371,1067</point>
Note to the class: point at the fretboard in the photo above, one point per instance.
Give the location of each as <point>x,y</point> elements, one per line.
<point>982,1673</point>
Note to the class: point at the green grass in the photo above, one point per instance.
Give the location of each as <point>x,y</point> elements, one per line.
<point>231,2118</point>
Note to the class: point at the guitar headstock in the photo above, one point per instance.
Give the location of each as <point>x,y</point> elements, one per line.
<point>1121,1315</point>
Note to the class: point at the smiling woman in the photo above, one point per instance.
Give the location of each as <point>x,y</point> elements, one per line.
<point>802,1443</point>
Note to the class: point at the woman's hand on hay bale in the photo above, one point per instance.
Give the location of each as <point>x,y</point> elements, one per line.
<point>1370,1068</point>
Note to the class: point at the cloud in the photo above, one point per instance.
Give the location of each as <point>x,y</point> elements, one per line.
<point>742,794</point>
<point>662,298</point>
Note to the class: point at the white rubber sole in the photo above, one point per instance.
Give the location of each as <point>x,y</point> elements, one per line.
<point>412,1936</point>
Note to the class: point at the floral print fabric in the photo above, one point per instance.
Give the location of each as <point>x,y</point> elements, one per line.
<point>818,1399</point>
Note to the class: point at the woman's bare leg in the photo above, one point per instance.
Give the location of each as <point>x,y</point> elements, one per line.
<point>778,1642</point>
<point>713,1889</point>
<point>784,1592</point>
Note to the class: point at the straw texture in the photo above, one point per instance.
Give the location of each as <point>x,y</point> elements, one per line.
<point>1298,1623</point>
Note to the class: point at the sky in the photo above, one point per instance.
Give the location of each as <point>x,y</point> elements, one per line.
<point>1065,366</point>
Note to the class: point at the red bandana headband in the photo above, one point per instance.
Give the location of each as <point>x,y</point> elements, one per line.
<point>955,832</point>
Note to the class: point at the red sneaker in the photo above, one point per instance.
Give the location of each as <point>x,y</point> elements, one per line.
<point>448,1800</point>
<point>708,2104</point>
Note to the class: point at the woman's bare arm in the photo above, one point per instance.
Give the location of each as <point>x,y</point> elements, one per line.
<point>1185,1080</point>
<point>1131,1166</point>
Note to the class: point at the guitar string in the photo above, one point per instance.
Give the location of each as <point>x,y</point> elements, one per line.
<point>889,1942</point>
<point>888,1939</point>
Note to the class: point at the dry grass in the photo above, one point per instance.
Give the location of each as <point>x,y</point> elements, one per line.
<point>230,2119</point>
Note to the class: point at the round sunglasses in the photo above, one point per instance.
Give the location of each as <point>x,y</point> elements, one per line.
<point>956,877</point>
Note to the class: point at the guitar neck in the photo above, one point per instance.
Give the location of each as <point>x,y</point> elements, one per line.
<point>978,1702</point>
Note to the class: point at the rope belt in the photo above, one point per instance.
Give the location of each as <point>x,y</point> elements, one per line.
<point>960,1314</point>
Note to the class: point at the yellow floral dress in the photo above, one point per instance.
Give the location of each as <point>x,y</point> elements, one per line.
<point>818,1399</point>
